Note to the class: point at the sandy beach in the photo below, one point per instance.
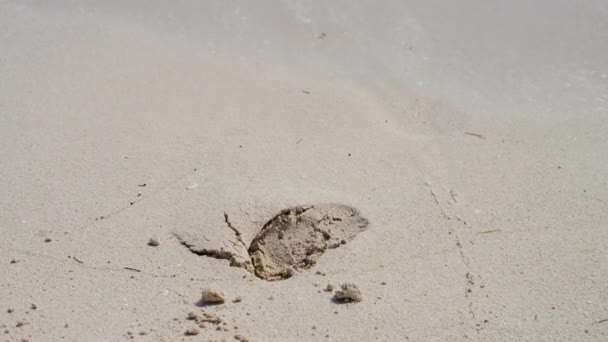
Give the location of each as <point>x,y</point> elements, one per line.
<point>449,160</point>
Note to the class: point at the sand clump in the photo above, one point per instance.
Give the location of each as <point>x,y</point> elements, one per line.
<point>191,332</point>
<point>213,296</point>
<point>241,338</point>
<point>348,292</point>
<point>211,318</point>
<point>295,238</point>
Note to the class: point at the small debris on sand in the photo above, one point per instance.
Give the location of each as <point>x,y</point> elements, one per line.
<point>329,288</point>
<point>237,299</point>
<point>153,242</point>
<point>10,310</point>
<point>477,135</point>
<point>383,283</point>
<point>191,316</point>
<point>241,338</point>
<point>349,293</point>
<point>213,296</point>
<point>47,240</point>
<point>211,318</point>
<point>13,261</point>
<point>34,307</point>
<point>191,332</point>
<point>490,231</point>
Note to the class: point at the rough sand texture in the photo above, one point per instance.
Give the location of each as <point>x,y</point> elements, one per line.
<point>471,134</point>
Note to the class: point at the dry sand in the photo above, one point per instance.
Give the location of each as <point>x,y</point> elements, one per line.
<point>473,137</point>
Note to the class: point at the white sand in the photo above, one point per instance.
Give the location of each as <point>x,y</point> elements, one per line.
<point>247,108</point>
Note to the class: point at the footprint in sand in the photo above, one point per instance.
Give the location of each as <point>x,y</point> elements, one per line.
<point>290,242</point>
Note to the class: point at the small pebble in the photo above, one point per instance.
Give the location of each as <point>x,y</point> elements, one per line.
<point>153,242</point>
<point>47,240</point>
<point>237,299</point>
<point>329,288</point>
